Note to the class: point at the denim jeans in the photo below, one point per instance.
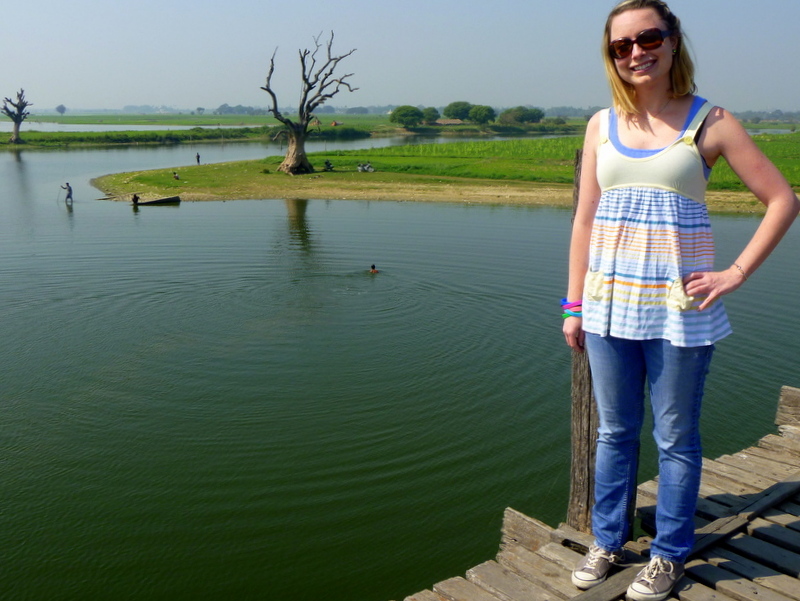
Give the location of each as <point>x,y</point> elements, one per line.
<point>674,377</point>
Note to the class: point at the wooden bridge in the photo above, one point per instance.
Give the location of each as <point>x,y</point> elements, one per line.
<point>747,538</point>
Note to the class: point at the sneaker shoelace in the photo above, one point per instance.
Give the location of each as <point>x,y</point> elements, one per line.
<point>655,567</point>
<point>595,555</point>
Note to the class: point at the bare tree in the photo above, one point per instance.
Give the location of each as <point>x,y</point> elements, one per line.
<point>319,85</point>
<point>17,114</point>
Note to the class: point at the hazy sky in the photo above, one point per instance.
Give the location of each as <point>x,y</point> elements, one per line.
<point>185,54</point>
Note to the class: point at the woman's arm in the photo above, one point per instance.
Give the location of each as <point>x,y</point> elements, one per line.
<point>582,229</point>
<point>724,136</point>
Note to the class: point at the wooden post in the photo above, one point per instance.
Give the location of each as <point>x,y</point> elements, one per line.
<point>584,422</point>
<point>788,413</point>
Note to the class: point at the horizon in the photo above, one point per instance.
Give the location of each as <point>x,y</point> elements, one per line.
<point>514,52</point>
<point>338,110</point>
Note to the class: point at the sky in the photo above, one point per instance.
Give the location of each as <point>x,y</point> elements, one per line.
<point>100,54</point>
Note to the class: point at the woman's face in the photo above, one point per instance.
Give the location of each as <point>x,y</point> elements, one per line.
<point>642,66</point>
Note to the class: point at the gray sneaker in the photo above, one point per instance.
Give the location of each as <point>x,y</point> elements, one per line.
<point>656,580</point>
<point>594,567</point>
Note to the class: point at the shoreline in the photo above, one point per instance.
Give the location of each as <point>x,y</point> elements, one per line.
<point>387,187</point>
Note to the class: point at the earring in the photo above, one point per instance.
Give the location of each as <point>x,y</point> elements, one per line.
<point>674,51</point>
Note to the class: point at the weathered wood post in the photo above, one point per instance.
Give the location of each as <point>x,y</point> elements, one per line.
<point>584,422</point>
<point>788,413</point>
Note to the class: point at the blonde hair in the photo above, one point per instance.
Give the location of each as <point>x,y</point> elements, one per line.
<point>682,71</point>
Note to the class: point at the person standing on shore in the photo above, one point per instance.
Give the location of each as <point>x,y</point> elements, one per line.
<point>643,297</point>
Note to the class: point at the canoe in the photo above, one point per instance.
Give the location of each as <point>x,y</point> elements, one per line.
<point>169,200</point>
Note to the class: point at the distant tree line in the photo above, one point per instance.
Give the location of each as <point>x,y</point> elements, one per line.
<point>145,109</point>
<point>480,114</point>
<point>759,116</point>
<point>226,109</point>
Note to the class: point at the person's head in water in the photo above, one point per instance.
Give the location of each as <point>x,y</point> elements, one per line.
<point>372,269</point>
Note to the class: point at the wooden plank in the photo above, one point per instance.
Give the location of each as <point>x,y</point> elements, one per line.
<point>776,456</point>
<point>459,589</point>
<point>716,532</point>
<point>561,556</point>
<point>772,496</point>
<point>789,432</point>
<point>773,442</point>
<point>758,465</point>
<point>782,518</point>
<point>724,582</point>
<point>647,515</point>
<point>566,534</point>
<point>790,507</point>
<point>425,595</point>
<point>687,589</point>
<point>775,534</point>
<point>758,481</point>
<point>710,510</point>
<point>788,412</point>
<point>706,508</point>
<point>753,570</point>
<point>508,585</point>
<point>538,570</point>
<point>649,491</point>
<point>765,553</point>
<point>519,529</point>
<point>726,485</point>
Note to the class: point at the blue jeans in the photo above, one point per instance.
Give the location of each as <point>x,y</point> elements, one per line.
<point>675,377</point>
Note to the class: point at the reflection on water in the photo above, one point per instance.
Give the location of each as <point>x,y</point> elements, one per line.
<point>298,226</point>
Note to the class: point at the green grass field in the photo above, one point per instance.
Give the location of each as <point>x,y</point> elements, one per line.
<point>535,160</point>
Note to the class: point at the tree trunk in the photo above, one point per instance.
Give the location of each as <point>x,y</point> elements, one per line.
<point>15,139</point>
<point>296,160</point>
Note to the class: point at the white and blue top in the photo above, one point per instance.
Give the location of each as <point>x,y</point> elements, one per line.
<point>650,230</point>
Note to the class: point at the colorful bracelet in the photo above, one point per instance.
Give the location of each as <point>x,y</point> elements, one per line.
<point>569,313</point>
<point>565,304</point>
<point>739,267</point>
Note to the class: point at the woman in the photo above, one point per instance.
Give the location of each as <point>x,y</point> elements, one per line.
<point>643,295</point>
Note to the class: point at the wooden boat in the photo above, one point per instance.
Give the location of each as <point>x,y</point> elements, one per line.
<point>169,200</point>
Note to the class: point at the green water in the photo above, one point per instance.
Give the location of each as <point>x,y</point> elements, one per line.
<point>218,400</point>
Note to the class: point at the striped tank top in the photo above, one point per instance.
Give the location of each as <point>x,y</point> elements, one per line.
<point>650,230</point>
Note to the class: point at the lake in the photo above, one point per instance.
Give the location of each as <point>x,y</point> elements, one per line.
<point>217,400</point>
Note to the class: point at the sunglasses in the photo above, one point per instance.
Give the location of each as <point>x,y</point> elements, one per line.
<point>649,39</point>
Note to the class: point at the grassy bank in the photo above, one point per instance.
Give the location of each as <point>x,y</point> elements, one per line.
<point>35,139</point>
<point>514,171</point>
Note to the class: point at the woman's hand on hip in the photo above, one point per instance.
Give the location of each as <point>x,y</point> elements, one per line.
<point>712,284</point>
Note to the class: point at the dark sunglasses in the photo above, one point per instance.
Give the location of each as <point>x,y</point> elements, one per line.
<point>649,39</point>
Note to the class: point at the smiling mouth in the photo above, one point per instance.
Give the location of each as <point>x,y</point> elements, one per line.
<point>644,66</point>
